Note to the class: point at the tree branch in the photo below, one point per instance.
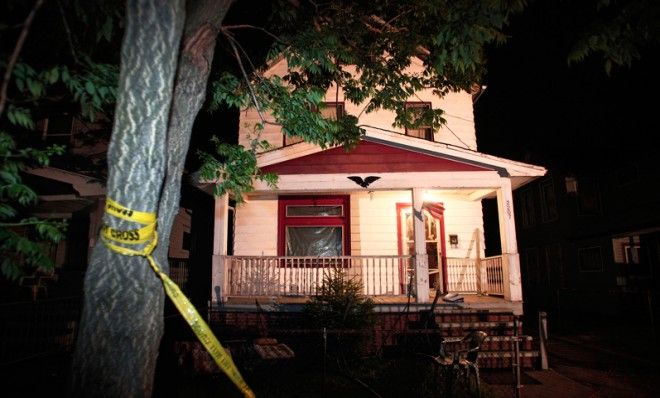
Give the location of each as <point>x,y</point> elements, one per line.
<point>245,26</point>
<point>69,36</point>
<point>14,56</point>
<point>245,76</point>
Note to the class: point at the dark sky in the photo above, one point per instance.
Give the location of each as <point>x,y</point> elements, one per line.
<point>538,109</point>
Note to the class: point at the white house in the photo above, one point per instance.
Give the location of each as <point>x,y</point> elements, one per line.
<point>411,222</point>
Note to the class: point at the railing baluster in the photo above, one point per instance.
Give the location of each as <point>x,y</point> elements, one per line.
<point>282,275</point>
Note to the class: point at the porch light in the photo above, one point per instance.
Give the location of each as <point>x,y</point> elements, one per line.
<point>427,196</point>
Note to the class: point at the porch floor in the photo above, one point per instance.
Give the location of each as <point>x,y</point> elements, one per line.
<point>385,303</point>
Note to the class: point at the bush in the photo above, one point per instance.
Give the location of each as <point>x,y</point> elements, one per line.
<point>340,304</point>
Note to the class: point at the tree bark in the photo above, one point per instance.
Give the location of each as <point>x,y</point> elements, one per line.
<point>122,318</point>
<point>121,326</point>
<point>203,21</point>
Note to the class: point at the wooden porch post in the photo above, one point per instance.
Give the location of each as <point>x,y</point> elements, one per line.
<point>510,258</point>
<point>219,275</point>
<point>421,257</point>
<point>477,263</point>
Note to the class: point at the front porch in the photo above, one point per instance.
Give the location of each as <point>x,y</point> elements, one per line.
<point>383,304</point>
<point>417,227</point>
<point>387,279</point>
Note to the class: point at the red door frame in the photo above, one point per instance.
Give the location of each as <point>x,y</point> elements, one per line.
<point>441,220</point>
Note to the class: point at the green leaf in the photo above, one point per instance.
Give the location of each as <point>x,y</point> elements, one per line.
<point>89,87</point>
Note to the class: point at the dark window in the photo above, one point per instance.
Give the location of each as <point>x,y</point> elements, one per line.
<point>588,199</point>
<point>58,129</point>
<point>548,201</point>
<point>529,263</point>
<point>554,264</point>
<point>527,208</point>
<point>417,108</point>
<point>591,259</point>
<point>185,241</point>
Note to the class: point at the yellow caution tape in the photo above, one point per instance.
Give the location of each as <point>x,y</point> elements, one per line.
<point>147,235</point>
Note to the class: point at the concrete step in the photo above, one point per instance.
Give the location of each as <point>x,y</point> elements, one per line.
<point>497,343</point>
<point>505,359</point>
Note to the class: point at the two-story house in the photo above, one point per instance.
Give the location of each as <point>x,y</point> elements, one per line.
<point>590,239</point>
<point>401,212</point>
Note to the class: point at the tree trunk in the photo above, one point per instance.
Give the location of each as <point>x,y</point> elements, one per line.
<point>202,26</point>
<point>121,325</point>
<point>122,319</point>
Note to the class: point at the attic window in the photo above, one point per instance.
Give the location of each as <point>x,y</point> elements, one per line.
<point>329,110</point>
<point>57,129</point>
<point>417,108</point>
<point>332,110</point>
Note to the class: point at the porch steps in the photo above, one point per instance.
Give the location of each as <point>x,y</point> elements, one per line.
<point>497,350</point>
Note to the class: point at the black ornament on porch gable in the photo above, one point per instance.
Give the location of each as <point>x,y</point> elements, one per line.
<point>364,183</point>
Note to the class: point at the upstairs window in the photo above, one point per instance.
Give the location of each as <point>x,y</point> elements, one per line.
<point>548,201</point>
<point>588,202</point>
<point>332,110</point>
<point>329,110</point>
<point>417,108</point>
<point>527,208</point>
<point>590,259</point>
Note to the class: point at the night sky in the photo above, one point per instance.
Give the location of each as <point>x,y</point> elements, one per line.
<point>538,109</point>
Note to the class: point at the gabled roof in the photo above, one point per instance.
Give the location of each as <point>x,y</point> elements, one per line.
<point>398,153</point>
<point>369,157</point>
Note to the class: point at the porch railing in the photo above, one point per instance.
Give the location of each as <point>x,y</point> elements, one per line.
<point>380,275</point>
<point>494,275</point>
<point>277,276</point>
<point>471,275</point>
<point>462,275</point>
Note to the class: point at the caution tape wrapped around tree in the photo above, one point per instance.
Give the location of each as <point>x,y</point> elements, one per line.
<point>146,235</point>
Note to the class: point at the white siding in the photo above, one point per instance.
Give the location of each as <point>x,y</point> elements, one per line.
<point>373,224</point>
<point>458,109</point>
<point>464,218</point>
<point>255,230</point>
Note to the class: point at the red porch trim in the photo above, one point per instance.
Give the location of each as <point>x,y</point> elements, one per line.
<point>368,157</point>
<point>436,209</point>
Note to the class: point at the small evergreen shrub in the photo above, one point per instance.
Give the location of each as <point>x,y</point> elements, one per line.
<point>344,312</point>
<point>340,304</point>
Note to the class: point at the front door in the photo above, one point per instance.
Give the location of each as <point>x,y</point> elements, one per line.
<point>434,236</point>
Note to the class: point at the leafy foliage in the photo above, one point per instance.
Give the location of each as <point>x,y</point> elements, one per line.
<point>620,32</point>
<point>233,168</point>
<point>366,48</point>
<point>35,83</point>
<point>20,253</point>
<point>340,303</point>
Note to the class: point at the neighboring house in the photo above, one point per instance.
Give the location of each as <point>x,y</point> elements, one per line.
<point>411,222</point>
<point>590,240</point>
<point>73,189</point>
